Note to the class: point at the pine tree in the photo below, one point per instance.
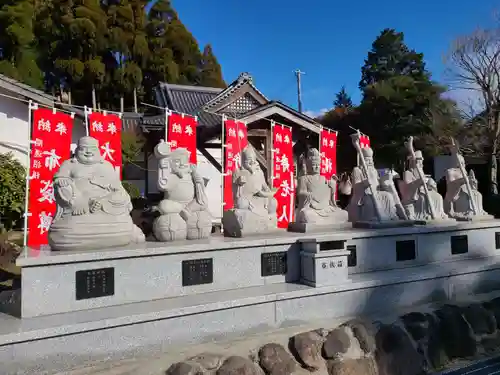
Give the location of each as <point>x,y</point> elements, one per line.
<point>342,100</point>
<point>18,58</point>
<point>211,71</point>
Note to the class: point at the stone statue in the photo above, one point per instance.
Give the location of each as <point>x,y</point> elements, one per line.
<point>254,203</point>
<point>374,199</point>
<point>316,197</point>
<point>93,208</point>
<point>184,210</point>
<point>419,195</point>
<point>463,201</point>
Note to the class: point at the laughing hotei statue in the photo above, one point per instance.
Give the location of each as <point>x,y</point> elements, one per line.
<point>316,198</point>
<point>254,203</point>
<point>93,208</point>
<point>419,194</point>
<point>463,201</point>
<point>374,201</point>
<point>184,209</point>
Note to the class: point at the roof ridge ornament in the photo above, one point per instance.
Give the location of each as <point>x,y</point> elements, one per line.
<point>245,76</point>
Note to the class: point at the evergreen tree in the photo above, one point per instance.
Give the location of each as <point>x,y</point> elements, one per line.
<point>211,71</point>
<point>17,42</point>
<point>342,100</point>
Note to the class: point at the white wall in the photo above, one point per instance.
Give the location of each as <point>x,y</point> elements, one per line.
<point>14,130</point>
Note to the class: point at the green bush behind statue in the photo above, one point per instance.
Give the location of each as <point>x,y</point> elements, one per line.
<point>12,191</point>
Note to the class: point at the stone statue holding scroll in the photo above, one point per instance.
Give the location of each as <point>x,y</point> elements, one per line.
<point>93,208</point>
<point>316,196</point>
<point>374,199</point>
<point>463,201</point>
<point>183,210</point>
<point>254,203</point>
<point>419,195</point>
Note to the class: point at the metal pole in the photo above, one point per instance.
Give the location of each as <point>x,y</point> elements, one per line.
<point>31,107</point>
<point>298,74</point>
<point>223,172</point>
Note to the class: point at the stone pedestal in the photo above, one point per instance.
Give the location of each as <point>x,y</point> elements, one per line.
<point>383,224</point>
<point>310,227</point>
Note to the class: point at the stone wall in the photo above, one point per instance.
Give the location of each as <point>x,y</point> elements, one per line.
<point>416,343</point>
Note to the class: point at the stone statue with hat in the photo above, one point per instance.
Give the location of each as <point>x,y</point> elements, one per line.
<point>374,201</point>
<point>316,198</point>
<point>184,210</point>
<point>93,208</point>
<point>254,203</point>
<point>419,194</point>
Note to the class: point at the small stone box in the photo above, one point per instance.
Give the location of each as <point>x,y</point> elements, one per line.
<point>323,263</point>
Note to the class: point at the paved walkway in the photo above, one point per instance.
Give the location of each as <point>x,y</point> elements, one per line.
<point>486,367</point>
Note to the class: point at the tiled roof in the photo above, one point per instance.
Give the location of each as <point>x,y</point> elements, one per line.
<point>189,100</point>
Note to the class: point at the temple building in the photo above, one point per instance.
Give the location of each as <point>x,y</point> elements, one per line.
<point>240,100</point>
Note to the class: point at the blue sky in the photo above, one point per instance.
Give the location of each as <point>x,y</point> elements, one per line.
<point>328,40</point>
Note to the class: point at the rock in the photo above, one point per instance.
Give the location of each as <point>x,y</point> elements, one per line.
<point>416,324</point>
<point>435,346</point>
<point>275,360</point>
<point>365,333</point>
<point>235,365</point>
<point>456,336</point>
<point>337,342</point>
<point>208,361</point>
<point>396,354</point>
<point>306,347</point>
<point>480,319</point>
<point>494,307</point>
<point>362,366</point>
<point>185,368</point>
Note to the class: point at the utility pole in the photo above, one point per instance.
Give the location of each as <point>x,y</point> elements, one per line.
<point>298,73</point>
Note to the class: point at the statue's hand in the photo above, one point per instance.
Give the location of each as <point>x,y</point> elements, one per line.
<point>197,178</point>
<point>242,180</point>
<point>95,205</point>
<point>79,208</point>
<point>63,182</point>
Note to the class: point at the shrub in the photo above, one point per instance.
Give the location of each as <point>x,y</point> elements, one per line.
<point>131,189</point>
<point>12,190</point>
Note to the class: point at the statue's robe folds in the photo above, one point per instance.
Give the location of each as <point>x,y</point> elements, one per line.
<point>414,199</point>
<point>316,202</point>
<point>79,224</point>
<point>254,195</point>
<point>362,205</point>
<point>458,202</point>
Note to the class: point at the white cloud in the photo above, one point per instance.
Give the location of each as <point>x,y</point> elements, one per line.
<point>315,114</point>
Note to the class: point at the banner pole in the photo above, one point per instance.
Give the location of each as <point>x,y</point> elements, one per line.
<point>31,106</point>
<point>167,113</point>
<point>222,152</point>
<point>273,150</point>
<point>87,112</point>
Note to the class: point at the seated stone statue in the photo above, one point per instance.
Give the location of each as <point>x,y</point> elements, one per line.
<point>254,203</point>
<point>414,197</point>
<point>316,196</point>
<point>370,191</point>
<point>458,203</point>
<point>93,208</point>
<point>184,209</point>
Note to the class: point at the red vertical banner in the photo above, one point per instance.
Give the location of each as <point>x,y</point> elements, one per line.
<point>181,132</point>
<point>283,173</point>
<point>50,147</point>
<point>235,140</point>
<point>328,152</point>
<point>364,141</point>
<point>106,128</point>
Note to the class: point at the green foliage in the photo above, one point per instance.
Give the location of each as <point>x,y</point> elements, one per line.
<point>342,99</point>
<point>12,190</point>
<point>132,145</point>
<point>211,72</point>
<point>131,189</point>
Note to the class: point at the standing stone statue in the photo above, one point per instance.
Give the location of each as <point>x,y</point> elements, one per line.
<point>374,199</point>
<point>183,210</point>
<point>419,196</point>
<point>254,203</point>
<point>93,208</point>
<point>463,201</point>
<point>316,197</point>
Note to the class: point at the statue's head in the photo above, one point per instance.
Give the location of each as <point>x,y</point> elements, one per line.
<point>179,162</point>
<point>313,161</point>
<point>473,180</point>
<point>249,159</point>
<point>368,155</point>
<point>431,184</point>
<point>417,161</point>
<point>87,151</point>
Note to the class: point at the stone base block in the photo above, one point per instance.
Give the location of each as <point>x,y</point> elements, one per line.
<point>324,268</point>
<point>383,224</point>
<point>478,218</point>
<point>310,227</point>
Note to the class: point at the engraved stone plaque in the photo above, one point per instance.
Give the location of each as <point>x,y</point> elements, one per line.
<point>459,244</point>
<point>405,250</point>
<point>497,240</point>
<point>197,272</point>
<point>95,283</point>
<point>273,263</point>
<point>352,258</point>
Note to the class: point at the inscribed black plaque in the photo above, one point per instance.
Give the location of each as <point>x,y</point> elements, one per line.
<point>197,272</point>
<point>95,283</point>
<point>497,240</point>
<point>459,244</point>
<point>331,245</point>
<point>273,264</point>
<point>352,258</point>
<point>405,250</point>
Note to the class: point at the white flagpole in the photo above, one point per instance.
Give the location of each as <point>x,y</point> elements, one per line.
<point>167,114</point>
<point>87,111</point>
<point>222,151</point>
<point>273,151</point>
<point>31,106</point>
